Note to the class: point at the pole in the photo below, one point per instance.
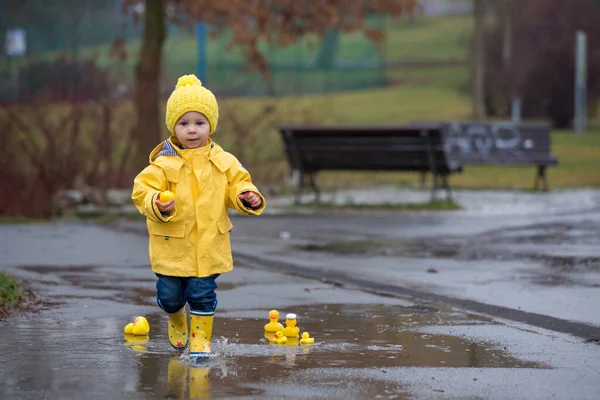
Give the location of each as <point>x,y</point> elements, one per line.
<point>516,110</point>
<point>580,115</point>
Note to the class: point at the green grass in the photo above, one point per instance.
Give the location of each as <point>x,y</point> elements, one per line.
<point>451,78</point>
<point>437,38</point>
<point>398,104</point>
<point>10,292</point>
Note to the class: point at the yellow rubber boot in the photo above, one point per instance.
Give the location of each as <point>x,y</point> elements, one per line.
<point>178,330</point>
<point>201,325</point>
<point>177,378</point>
<point>200,383</point>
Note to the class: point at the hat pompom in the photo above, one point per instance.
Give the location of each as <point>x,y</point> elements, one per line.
<point>186,80</point>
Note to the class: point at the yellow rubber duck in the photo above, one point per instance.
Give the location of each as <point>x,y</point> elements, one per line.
<point>139,326</point>
<point>273,325</point>
<point>279,338</point>
<point>291,330</point>
<point>306,339</point>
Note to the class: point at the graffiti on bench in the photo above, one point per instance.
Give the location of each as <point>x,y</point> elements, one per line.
<point>488,143</point>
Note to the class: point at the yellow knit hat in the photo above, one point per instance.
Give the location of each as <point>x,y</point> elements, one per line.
<point>190,95</point>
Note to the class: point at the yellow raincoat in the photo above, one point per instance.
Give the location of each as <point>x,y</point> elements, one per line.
<point>193,240</point>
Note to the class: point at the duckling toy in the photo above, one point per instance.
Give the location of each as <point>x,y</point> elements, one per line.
<point>306,339</point>
<point>139,326</point>
<point>279,338</point>
<point>274,325</point>
<point>291,330</point>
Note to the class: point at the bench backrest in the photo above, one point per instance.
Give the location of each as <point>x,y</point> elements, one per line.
<point>399,148</point>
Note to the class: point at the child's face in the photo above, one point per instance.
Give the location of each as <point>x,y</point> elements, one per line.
<point>192,130</point>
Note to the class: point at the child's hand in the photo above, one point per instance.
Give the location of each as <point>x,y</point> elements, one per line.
<point>251,198</point>
<point>165,207</point>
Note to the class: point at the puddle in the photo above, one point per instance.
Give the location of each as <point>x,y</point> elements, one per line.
<point>382,336</point>
<point>369,336</point>
<point>245,364</point>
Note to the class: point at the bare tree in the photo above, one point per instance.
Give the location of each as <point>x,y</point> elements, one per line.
<point>507,12</point>
<point>147,81</point>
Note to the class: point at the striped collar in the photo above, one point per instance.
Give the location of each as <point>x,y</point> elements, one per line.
<point>169,150</point>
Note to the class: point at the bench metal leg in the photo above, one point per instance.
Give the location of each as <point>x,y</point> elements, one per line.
<point>541,179</point>
<point>299,187</point>
<point>313,184</point>
<point>447,187</point>
<point>423,180</point>
<point>434,187</point>
<point>302,183</point>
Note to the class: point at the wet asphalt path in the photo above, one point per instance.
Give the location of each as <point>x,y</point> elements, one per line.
<point>94,280</point>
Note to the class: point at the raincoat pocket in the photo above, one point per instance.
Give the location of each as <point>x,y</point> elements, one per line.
<point>223,238</point>
<point>167,241</point>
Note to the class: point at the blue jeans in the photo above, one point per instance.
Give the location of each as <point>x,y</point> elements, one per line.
<point>172,292</point>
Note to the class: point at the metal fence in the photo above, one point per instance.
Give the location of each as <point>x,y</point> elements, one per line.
<point>84,30</point>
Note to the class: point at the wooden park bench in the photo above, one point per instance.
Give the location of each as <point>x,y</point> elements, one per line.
<point>439,149</point>
<point>311,149</point>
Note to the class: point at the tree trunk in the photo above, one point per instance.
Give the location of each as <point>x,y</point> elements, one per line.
<point>147,133</point>
<point>478,67</point>
<point>510,8</point>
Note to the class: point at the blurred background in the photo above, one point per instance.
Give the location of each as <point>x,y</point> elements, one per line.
<point>83,84</point>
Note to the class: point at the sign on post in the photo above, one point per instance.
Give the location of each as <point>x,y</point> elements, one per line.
<point>15,44</point>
